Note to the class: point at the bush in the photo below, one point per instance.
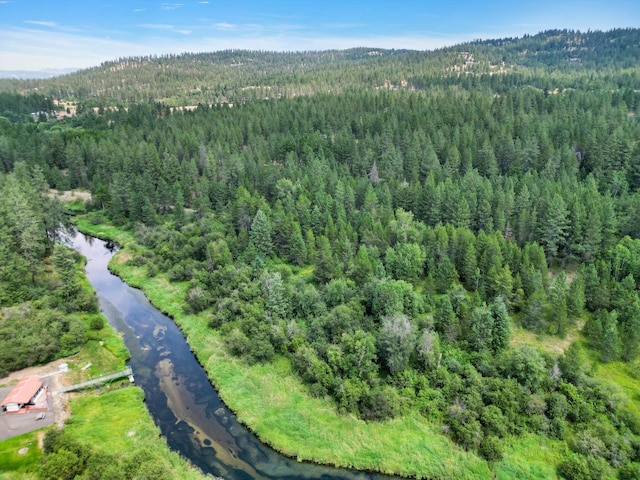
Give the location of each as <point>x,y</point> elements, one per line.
<point>237,342</point>
<point>260,348</point>
<point>97,323</point>
<point>631,471</point>
<point>197,299</point>
<point>138,261</point>
<point>574,468</point>
<point>61,465</point>
<point>64,457</point>
<point>579,467</point>
<point>51,440</point>
<point>587,444</point>
<point>152,270</point>
<point>491,448</point>
<point>380,404</point>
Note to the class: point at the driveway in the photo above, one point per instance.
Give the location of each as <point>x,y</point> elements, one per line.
<point>13,424</point>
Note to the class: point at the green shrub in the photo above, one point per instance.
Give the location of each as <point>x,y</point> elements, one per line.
<point>97,323</point>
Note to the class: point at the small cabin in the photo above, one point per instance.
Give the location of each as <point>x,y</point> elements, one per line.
<point>26,395</point>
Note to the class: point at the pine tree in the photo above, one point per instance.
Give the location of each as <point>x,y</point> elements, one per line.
<point>261,234</point>
<point>298,249</point>
<point>374,176</point>
<point>325,265</point>
<point>554,226</point>
<point>481,325</point>
<point>446,321</point>
<point>501,333</point>
<point>276,304</point>
<point>610,347</point>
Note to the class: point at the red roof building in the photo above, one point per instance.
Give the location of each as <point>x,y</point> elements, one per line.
<point>26,393</point>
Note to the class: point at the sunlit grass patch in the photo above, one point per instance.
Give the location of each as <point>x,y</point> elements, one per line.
<point>623,376</point>
<point>107,232</point>
<point>118,423</point>
<point>530,456</point>
<point>11,458</point>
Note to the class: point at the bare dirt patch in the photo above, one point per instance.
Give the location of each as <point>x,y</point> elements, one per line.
<point>123,257</point>
<point>39,370</point>
<point>70,195</point>
<point>549,343</point>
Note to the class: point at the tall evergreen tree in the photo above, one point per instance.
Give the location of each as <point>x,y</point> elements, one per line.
<point>554,226</point>
<point>260,235</point>
<point>501,332</point>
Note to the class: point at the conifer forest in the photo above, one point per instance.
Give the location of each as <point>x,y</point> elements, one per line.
<point>452,235</point>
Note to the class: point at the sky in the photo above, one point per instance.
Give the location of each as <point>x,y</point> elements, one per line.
<point>37,35</point>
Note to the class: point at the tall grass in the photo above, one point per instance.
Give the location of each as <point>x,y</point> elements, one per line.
<point>271,400</point>
<point>118,423</point>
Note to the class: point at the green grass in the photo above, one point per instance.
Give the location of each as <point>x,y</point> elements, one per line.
<point>621,376</point>
<point>530,456</point>
<point>548,343</point>
<point>76,206</point>
<point>277,407</point>
<point>12,461</point>
<point>103,231</point>
<point>17,476</point>
<point>118,423</point>
<point>106,358</point>
<point>105,420</point>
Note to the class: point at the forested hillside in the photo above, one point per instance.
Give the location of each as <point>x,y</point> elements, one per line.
<point>393,224</point>
<point>552,59</point>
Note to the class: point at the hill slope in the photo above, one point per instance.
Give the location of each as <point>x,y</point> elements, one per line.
<point>237,75</point>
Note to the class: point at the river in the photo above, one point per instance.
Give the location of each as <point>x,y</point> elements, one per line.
<point>178,393</point>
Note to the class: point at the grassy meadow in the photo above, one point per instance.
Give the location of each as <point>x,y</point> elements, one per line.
<point>117,423</point>
<point>13,464</point>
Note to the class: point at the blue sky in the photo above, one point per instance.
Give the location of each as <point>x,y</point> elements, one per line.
<point>63,34</point>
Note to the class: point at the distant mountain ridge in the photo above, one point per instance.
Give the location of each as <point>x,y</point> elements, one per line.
<point>232,76</point>
<point>35,74</point>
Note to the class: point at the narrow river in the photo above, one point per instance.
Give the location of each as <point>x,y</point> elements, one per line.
<point>178,393</point>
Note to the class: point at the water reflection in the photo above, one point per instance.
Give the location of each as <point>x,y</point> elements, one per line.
<point>177,391</point>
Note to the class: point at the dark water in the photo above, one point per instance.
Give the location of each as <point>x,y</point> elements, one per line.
<point>178,393</point>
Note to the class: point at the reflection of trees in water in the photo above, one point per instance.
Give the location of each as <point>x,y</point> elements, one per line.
<point>206,432</point>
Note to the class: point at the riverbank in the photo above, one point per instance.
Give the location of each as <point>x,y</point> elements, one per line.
<point>111,422</point>
<point>270,400</point>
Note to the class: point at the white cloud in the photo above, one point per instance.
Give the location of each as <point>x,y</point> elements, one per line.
<point>171,6</point>
<point>166,27</point>
<point>225,26</point>
<point>23,49</point>
<point>156,26</point>
<point>41,23</point>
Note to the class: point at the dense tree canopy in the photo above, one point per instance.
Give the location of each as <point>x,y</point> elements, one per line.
<point>385,240</point>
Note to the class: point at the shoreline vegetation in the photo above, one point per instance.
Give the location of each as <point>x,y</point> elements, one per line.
<point>278,409</point>
<point>421,263</point>
<point>111,425</point>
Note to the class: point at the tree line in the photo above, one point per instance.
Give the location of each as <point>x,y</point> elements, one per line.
<point>387,242</point>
